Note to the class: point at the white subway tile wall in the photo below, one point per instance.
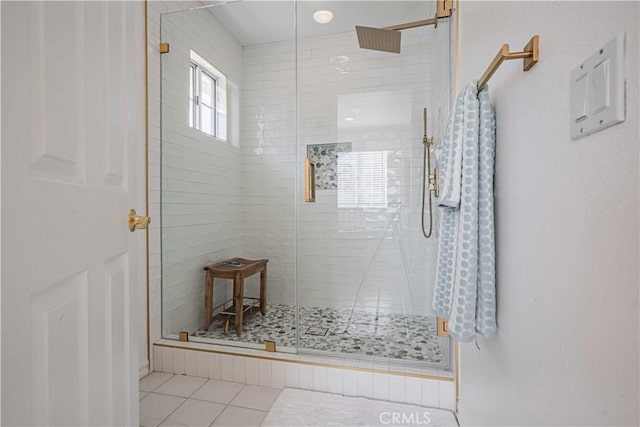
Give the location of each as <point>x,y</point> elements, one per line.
<point>268,142</point>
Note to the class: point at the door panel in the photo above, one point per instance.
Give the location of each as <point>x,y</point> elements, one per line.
<point>59,351</point>
<point>73,140</point>
<point>53,58</point>
<point>117,334</point>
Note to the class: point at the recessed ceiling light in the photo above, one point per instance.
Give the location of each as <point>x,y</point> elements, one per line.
<point>322,16</point>
<point>349,119</point>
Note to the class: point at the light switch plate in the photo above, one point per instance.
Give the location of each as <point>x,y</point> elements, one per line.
<point>597,90</point>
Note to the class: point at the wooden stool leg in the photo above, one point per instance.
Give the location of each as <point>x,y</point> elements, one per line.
<point>263,291</point>
<point>238,286</point>
<point>208,300</point>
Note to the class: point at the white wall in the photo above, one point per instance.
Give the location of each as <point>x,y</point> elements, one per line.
<point>567,226</point>
<point>201,175</point>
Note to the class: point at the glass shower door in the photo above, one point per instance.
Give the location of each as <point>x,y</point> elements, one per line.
<point>365,270</point>
<point>227,173</point>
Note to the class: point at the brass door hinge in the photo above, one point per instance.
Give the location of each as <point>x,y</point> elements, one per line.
<point>164,47</point>
<point>442,327</point>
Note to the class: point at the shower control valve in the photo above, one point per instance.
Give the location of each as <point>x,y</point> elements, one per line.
<point>434,179</point>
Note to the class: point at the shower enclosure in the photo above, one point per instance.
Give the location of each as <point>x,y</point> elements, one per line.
<point>252,91</point>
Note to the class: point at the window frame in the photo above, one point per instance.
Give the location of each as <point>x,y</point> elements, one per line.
<point>199,67</point>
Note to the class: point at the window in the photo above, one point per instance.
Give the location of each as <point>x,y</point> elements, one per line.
<point>362,179</point>
<point>207,98</point>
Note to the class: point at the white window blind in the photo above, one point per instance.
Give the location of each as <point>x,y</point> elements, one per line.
<point>362,179</point>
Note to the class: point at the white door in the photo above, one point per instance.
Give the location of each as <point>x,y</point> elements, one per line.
<point>72,144</point>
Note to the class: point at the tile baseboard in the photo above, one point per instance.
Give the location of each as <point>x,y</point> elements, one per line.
<point>277,370</point>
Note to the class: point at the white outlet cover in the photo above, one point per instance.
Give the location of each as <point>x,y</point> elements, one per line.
<point>597,90</point>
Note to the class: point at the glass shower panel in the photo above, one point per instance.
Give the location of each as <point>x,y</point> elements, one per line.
<point>365,271</point>
<point>227,171</point>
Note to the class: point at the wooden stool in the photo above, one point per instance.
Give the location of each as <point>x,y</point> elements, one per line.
<point>238,274</point>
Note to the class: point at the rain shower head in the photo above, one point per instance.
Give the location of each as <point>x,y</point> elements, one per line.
<point>379,39</point>
<point>387,39</point>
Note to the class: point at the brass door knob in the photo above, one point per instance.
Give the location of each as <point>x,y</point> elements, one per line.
<point>138,222</point>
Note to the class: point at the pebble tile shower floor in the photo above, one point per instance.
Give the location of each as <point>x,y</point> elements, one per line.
<point>394,336</point>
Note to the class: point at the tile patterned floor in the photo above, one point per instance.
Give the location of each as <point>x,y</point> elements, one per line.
<point>179,400</point>
<point>394,336</point>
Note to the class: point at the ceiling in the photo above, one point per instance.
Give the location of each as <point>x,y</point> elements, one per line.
<point>255,22</point>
